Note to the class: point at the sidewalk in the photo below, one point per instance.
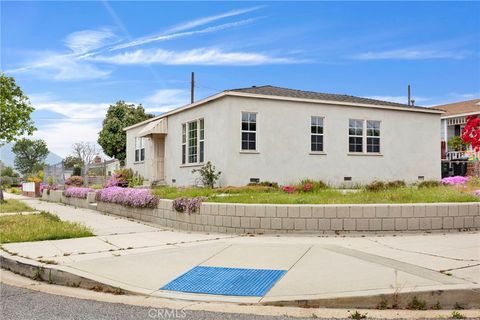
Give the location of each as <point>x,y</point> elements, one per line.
<point>143,259</point>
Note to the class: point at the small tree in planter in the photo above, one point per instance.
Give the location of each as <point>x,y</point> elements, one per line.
<point>208,174</point>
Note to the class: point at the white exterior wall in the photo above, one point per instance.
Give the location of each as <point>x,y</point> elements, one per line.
<point>409,144</point>
<point>143,168</point>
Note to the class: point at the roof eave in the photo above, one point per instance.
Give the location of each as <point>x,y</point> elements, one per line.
<point>260,96</point>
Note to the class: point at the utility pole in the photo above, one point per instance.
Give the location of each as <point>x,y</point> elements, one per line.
<point>409,101</point>
<point>192,88</point>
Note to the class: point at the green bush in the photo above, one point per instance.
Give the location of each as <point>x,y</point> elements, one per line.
<point>77,170</point>
<point>208,175</point>
<point>375,186</point>
<point>264,184</point>
<point>429,184</point>
<point>395,184</point>
<point>6,181</point>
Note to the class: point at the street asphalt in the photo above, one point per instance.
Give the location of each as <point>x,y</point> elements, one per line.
<point>23,304</point>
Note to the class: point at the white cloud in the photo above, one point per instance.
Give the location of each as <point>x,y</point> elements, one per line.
<point>72,110</point>
<point>62,133</point>
<point>200,56</point>
<point>205,20</point>
<point>164,100</point>
<point>410,54</point>
<point>171,36</point>
<point>62,67</point>
<point>88,40</point>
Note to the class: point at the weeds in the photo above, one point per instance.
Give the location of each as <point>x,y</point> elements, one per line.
<point>417,304</point>
<point>357,315</point>
<point>458,315</point>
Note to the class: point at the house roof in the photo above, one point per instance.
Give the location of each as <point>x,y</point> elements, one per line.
<point>293,93</point>
<point>284,94</point>
<point>460,108</point>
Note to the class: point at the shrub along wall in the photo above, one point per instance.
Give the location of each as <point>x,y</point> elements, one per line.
<point>269,218</point>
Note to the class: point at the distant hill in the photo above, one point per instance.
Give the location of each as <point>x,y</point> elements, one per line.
<point>7,156</point>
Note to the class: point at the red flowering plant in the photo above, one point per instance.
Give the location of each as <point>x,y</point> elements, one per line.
<point>471,132</point>
<point>288,189</point>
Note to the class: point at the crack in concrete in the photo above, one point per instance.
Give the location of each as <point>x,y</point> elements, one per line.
<point>423,253</point>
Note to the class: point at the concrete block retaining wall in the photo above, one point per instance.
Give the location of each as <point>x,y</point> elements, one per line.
<point>57,196</point>
<point>256,218</point>
<point>271,218</point>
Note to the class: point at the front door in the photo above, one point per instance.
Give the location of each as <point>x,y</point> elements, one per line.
<point>159,158</point>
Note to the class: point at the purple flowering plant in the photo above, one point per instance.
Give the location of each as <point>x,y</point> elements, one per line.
<point>184,204</point>
<point>130,197</point>
<point>77,192</point>
<point>456,180</point>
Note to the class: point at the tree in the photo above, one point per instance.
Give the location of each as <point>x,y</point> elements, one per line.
<point>456,144</point>
<point>85,151</point>
<point>208,175</point>
<point>29,155</point>
<point>8,172</point>
<point>71,161</point>
<point>15,111</point>
<point>471,132</point>
<point>112,138</point>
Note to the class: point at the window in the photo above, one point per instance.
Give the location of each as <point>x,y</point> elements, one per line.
<point>139,149</point>
<point>249,131</point>
<point>373,136</point>
<point>355,136</point>
<point>202,140</point>
<point>193,142</point>
<point>361,133</point>
<point>316,140</point>
<point>184,143</point>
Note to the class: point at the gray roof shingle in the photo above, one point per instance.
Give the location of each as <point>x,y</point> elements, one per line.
<point>292,93</point>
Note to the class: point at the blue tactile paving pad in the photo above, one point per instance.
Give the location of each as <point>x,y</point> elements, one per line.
<point>226,281</point>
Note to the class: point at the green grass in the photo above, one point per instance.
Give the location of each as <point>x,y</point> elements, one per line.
<point>13,206</point>
<point>37,227</point>
<point>323,196</point>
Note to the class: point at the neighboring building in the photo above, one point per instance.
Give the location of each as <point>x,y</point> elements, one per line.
<point>283,135</point>
<point>453,121</point>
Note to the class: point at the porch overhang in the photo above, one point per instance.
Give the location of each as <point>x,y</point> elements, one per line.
<point>153,128</point>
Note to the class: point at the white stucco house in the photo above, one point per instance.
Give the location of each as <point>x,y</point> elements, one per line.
<point>275,134</point>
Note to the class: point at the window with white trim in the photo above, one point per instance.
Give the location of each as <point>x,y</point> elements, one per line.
<point>316,134</point>
<point>193,142</point>
<point>364,133</point>
<point>355,135</point>
<point>139,149</point>
<point>202,140</point>
<point>184,143</point>
<point>373,136</point>
<point>249,131</point>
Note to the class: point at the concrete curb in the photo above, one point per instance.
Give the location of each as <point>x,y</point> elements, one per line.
<point>47,273</point>
<point>447,299</point>
<point>467,297</point>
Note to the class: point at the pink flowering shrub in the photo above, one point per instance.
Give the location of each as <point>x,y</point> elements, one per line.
<point>477,193</point>
<point>130,197</point>
<point>288,189</point>
<point>184,204</point>
<point>454,180</point>
<point>77,192</point>
<point>74,181</point>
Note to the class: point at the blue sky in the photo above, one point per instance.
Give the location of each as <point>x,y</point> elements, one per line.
<point>73,59</point>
